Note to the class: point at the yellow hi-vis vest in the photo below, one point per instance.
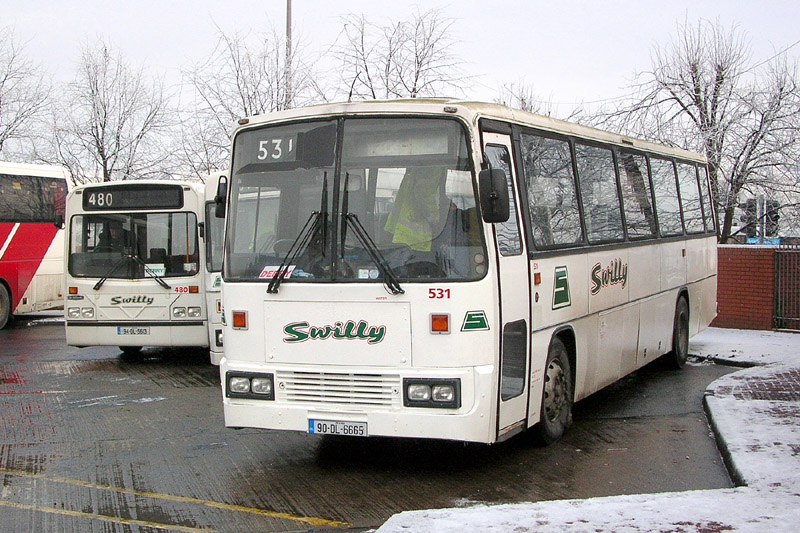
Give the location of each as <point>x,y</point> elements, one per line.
<point>416,216</point>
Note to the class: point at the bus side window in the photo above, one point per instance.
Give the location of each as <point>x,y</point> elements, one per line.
<point>552,197</point>
<point>666,192</point>
<point>635,184</point>
<point>598,182</point>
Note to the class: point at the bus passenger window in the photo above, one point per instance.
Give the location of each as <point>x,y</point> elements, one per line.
<point>598,182</point>
<point>667,205</point>
<point>553,200</point>
<point>637,200</point>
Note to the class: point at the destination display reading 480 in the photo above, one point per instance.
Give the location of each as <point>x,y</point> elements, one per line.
<point>133,196</point>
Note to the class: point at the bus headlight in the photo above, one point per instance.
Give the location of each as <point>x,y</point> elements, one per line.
<point>74,312</point>
<point>178,312</point>
<point>238,385</point>
<point>261,385</point>
<point>250,385</point>
<point>87,312</point>
<point>195,312</point>
<point>431,392</point>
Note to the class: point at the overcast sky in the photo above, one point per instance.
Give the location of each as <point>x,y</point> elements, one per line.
<point>568,51</point>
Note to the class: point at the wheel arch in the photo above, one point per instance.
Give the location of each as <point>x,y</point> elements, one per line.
<point>567,336</point>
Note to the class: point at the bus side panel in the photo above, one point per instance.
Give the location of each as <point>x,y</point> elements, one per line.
<point>28,246</point>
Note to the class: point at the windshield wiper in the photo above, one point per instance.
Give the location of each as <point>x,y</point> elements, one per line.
<point>389,277</point>
<point>122,260</point>
<point>310,228</point>
<point>114,268</point>
<point>317,221</point>
<point>152,274</point>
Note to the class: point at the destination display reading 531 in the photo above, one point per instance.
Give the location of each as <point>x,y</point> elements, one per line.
<point>133,196</point>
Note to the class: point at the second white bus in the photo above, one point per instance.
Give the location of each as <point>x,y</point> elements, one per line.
<point>135,271</point>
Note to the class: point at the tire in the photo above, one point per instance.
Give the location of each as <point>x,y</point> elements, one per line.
<point>5,306</point>
<point>680,336</point>
<point>557,395</point>
<point>131,350</point>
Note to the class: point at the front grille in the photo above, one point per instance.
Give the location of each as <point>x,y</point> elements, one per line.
<point>325,388</point>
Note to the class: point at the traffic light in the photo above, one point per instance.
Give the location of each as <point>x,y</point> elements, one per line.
<point>772,208</point>
<point>748,219</point>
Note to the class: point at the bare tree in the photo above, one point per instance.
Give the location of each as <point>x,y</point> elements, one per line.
<point>238,79</point>
<point>403,59</point>
<point>112,121</point>
<point>704,94</point>
<point>24,92</point>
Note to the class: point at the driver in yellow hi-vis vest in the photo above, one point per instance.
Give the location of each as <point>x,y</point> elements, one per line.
<point>420,209</point>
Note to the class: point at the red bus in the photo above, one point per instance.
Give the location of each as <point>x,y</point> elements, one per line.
<point>32,199</point>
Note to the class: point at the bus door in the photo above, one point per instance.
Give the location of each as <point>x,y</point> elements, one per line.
<point>514,291</point>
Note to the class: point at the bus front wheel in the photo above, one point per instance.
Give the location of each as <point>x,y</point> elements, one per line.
<point>680,336</point>
<point>131,350</point>
<point>556,409</point>
<point>5,306</point>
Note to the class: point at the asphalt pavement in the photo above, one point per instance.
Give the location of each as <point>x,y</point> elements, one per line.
<point>755,416</point>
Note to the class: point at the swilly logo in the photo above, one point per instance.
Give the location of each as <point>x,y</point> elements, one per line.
<point>146,300</point>
<point>350,330</point>
<point>615,273</point>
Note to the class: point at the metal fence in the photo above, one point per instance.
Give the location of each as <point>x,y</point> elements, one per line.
<point>787,287</point>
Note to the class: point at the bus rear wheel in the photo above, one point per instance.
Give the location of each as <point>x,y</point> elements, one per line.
<point>5,306</point>
<point>680,336</point>
<point>556,408</point>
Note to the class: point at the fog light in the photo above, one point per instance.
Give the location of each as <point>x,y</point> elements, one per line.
<point>195,312</point>
<point>74,312</point>
<point>87,312</point>
<point>261,385</point>
<point>239,385</point>
<point>178,312</point>
<point>419,392</point>
<point>443,393</point>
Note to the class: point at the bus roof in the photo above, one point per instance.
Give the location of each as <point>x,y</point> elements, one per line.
<point>471,111</point>
<point>27,169</point>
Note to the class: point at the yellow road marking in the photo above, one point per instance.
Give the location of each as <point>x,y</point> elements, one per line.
<point>104,518</point>
<point>312,521</point>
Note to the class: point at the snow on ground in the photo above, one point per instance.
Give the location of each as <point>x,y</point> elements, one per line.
<point>759,435</point>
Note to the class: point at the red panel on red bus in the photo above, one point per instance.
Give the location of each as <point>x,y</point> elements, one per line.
<point>23,255</point>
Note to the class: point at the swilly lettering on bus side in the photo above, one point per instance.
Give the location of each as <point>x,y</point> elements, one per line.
<point>615,273</point>
<point>350,330</point>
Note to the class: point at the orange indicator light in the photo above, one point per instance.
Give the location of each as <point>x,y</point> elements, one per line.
<point>240,320</point>
<point>73,290</point>
<point>440,323</point>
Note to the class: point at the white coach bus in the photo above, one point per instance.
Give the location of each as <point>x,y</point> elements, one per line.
<point>135,274</point>
<point>452,270</point>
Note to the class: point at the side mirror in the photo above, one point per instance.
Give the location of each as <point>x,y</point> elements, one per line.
<point>201,226</point>
<point>493,188</point>
<point>221,198</point>
<point>58,221</point>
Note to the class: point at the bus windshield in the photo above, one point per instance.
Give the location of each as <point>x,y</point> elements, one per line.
<point>133,245</point>
<point>354,200</point>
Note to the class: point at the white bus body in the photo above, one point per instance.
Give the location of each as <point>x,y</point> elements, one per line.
<point>31,238</point>
<point>213,234</point>
<point>366,293</point>
<point>147,287</point>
